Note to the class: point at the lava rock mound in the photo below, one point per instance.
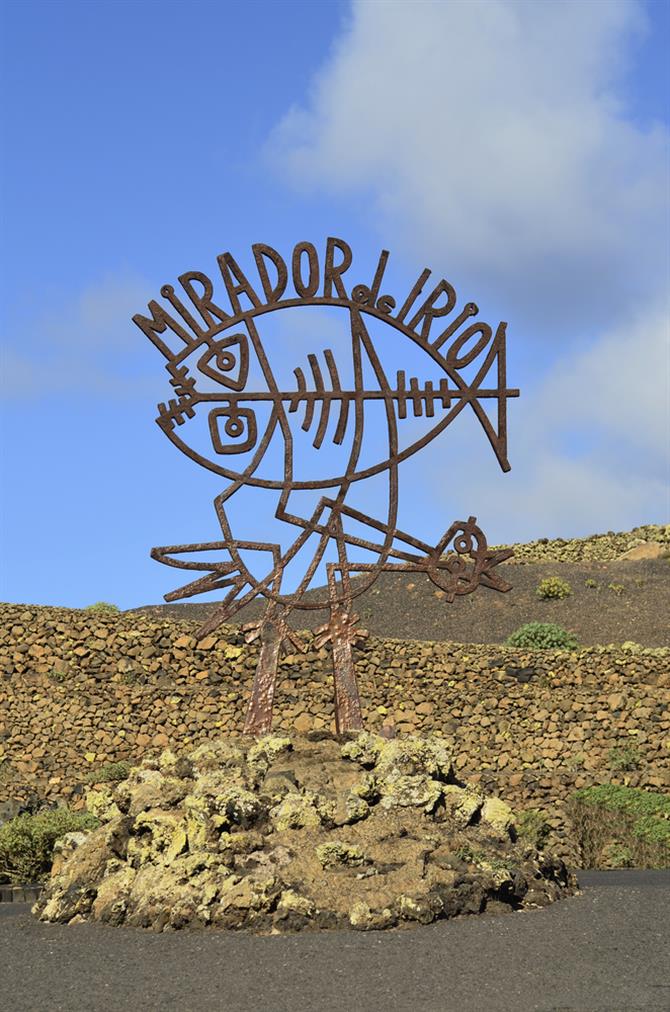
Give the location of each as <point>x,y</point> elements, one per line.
<point>286,834</point>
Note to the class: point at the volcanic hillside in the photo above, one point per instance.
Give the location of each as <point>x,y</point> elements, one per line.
<point>619,591</point>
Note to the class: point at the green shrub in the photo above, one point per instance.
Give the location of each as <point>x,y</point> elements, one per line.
<point>471,855</point>
<point>617,588</point>
<point>624,757</point>
<point>110,773</point>
<point>589,582</point>
<point>553,589</point>
<point>533,828</point>
<point>27,841</point>
<point>654,831</point>
<point>59,675</point>
<point>103,606</point>
<point>616,855</point>
<point>542,636</point>
<point>616,822</point>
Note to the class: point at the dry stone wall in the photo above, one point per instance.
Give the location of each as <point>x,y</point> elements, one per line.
<point>650,541</point>
<point>79,690</point>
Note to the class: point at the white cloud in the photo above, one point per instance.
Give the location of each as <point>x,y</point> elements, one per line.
<point>618,387</point>
<point>589,447</point>
<point>556,496</point>
<point>80,345</point>
<point>493,141</point>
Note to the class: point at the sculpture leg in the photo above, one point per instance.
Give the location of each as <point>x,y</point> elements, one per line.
<point>348,715</point>
<point>341,632</point>
<point>271,632</point>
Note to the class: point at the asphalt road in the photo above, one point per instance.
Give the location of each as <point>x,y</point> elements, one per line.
<point>607,949</point>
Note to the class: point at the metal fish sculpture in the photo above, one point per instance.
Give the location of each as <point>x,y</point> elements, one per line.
<point>230,413</point>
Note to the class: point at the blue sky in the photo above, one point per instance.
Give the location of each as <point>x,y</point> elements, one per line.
<point>518,149</point>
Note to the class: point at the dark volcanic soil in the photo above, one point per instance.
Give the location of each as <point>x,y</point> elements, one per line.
<point>408,606</point>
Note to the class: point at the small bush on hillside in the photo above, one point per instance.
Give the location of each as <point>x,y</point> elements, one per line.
<point>623,758</point>
<point>471,855</point>
<point>553,589</point>
<point>27,841</point>
<point>616,855</point>
<point>617,588</point>
<point>533,828</point>
<point>621,823</point>
<point>59,675</point>
<point>110,773</point>
<point>542,636</point>
<point>590,582</point>
<point>655,832</point>
<point>103,606</point>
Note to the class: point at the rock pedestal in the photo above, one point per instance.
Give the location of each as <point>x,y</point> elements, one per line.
<point>281,835</point>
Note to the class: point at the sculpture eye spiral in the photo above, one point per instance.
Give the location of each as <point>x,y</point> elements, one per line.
<point>227,361</point>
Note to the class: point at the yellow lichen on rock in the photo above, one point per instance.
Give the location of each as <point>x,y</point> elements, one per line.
<point>366,788</point>
<point>261,755</point>
<point>111,901</point>
<point>292,902</point>
<point>364,749</point>
<point>415,756</point>
<point>155,837</point>
<point>100,802</point>
<point>336,853</point>
<point>356,808</point>
<point>362,918</point>
<point>462,803</point>
<point>498,814</point>
<point>421,909</point>
<point>299,811</point>
<point>231,652</point>
<point>404,791</point>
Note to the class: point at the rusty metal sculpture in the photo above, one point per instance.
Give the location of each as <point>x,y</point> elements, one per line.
<point>212,354</point>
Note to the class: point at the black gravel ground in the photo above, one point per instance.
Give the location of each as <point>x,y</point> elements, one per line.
<point>630,601</point>
<point>606,950</point>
